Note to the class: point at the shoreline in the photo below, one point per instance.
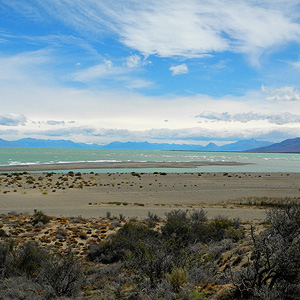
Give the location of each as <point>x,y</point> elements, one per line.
<point>113,165</point>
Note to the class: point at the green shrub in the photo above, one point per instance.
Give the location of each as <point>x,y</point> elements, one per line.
<point>40,216</point>
<point>217,228</point>
<point>234,234</point>
<point>177,227</point>
<point>26,260</point>
<point>178,277</point>
<point>151,259</point>
<point>115,248</point>
<point>192,228</point>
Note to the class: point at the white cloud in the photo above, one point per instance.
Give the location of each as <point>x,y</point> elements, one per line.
<point>136,83</point>
<point>118,73</point>
<point>105,69</point>
<point>135,61</point>
<point>12,120</point>
<point>286,93</point>
<point>278,119</point>
<point>194,135</point>
<point>24,66</point>
<point>103,116</point>
<point>179,69</point>
<point>201,27</point>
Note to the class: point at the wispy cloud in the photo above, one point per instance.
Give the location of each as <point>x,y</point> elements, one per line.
<point>54,122</point>
<point>106,66</point>
<point>24,65</point>
<point>278,119</point>
<point>124,73</point>
<point>248,27</point>
<point>137,83</point>
<point>105,69</point>
<point>179,69</point>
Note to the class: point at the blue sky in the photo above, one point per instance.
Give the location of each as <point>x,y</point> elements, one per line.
<point>192,71</point>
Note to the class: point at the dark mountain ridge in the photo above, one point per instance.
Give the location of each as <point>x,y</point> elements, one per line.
<point>286,146</point>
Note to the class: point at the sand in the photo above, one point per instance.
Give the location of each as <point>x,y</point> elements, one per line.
<point>135,194</point>
<point>113,165</point>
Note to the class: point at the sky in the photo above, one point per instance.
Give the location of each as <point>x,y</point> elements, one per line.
<point>194,71</point>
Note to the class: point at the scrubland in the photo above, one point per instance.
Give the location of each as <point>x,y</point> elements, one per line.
<point>185,255</point>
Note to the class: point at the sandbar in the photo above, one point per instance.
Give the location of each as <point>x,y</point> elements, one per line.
<point>112,165</point>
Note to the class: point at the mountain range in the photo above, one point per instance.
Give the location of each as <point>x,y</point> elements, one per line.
<point>243,145</point>
<point>286,146</point>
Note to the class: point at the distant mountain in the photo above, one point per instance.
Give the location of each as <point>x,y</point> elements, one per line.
<point>237,146</point>
<point>287,146</point>
<point>152,146</point>
<point>245,145</point>
<point>4,143</point>
<point>41,143</point>
<point>211,147</point>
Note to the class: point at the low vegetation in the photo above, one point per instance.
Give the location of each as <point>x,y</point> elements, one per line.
<point>184,256</point>
<point>266,202</point>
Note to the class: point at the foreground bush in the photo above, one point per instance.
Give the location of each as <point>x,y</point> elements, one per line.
<point>274,271</point>
<point>194,227</point>
<point>126,239</point>
<point>52,275</point>
<point>172,257</point>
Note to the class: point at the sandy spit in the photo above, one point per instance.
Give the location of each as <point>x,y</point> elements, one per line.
<point>112,165</point>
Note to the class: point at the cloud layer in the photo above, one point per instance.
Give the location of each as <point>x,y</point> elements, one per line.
<point>278,119</point>
<point>98,71</point>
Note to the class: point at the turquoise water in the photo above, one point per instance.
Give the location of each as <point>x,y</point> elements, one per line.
<point>257,162</point>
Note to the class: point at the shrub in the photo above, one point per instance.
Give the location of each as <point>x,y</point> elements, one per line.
<point>177,227</point>
<point>115,248</point>
<point>27,260</point>
<point>275,261</point>
<point>216,229</point>
<point>198,216</point>
<point>22,288</point>
<point>234,234</point>
<point>47,274</point>
<point>151,259</point>
<point>64,275</point>
<point>40,216</point>
<point>4,251</point>
<point>193,228</point>
<point>178,277</point>
<point>153,217</point>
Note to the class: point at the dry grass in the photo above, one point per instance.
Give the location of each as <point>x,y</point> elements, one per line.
<point>265,202</point>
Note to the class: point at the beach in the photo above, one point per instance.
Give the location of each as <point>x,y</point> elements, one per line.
<point>135,194</point>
